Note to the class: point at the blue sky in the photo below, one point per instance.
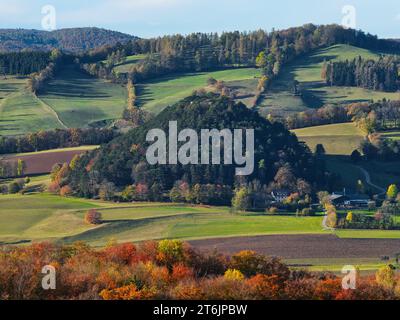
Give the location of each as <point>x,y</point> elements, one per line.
<point>147,18</point>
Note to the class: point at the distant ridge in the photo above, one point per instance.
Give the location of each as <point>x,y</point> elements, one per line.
<point>73,40</point>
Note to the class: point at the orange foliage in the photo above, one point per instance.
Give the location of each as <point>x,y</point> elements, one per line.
<point>328,289</point>
<point>181,272</point>
<point>65,191</point>
<point>123,253</point>
<point>264,287</point>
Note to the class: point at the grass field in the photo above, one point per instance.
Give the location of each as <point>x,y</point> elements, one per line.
<point>79,99</point>
<point>72,99</point>
<point>155,95</point>
<point>338,139</point>
<point>42,216</point>
<point>127,65</point>
<point>307,70</point>
<point>21,111</point>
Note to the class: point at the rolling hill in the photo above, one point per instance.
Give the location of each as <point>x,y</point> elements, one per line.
<point>315,93</point>
<point>71,100</point>
<point>155,95</point>
<point>72,40</point>
<point>80,100</point>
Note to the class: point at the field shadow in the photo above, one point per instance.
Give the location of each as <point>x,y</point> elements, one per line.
<point>111,228</point>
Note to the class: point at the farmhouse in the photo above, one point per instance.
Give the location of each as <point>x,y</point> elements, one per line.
<point>349,200</point>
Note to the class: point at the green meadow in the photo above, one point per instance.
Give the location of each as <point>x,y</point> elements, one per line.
<point>126,66</point>
<point>157,94</point>
<point>20,110</point>
<point>38,217</point>
<point>315,93</point>
<point>337,139</point>
<point>79,99</point>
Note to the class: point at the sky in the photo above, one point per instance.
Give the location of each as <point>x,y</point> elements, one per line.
<point>149,18</point>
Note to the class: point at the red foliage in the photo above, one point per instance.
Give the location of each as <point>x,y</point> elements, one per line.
<point>121,254</point>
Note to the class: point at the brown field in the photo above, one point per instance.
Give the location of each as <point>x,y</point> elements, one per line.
<point>42,162</point>
<point>304,246</point>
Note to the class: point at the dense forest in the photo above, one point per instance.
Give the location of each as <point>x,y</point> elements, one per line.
<point>23,63</point>
<point>72,40</point>
<point>280,160</point>
<point>382,74</point>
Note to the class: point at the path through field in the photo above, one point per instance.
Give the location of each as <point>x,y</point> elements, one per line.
<point>369,182</point>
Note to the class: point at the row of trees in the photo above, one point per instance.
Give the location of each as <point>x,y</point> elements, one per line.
<point>382,74</point>
<point>329,114</point>
<point>170,269</point>
<point>374,117</point>
<point>370,117</point>
<point>53,139</point>
<point>12,168</point>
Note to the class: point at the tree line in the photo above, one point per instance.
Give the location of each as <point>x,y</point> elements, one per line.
<point>23,63</point>
<point>378,75</point>
<point>200,51</point>
<point>53,139</point>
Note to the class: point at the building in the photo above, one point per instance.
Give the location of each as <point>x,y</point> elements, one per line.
<point>280,195</point>
<point>350,200</point>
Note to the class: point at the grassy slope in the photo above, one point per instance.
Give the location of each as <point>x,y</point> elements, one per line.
<point>127,65</point>
<point>79,99</point>
<point>338,139</point>
<point>21,111</point>
<point>158,94</point>
<point>307,70</point>
<point>42,216</point>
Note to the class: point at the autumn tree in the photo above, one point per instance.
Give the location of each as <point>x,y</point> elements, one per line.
<point>21,166</point>
<point>392,192</point>
<point>241,199</point>
<point>93,217</point>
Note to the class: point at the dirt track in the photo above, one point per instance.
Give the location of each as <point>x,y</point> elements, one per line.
<point>304,246</point>
<point>43,162</point>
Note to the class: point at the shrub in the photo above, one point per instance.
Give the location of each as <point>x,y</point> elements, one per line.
<point>93,217</point>
<point>233,274</point>
<point>14,187</point>
<point>66,191</point>
<point>170,252</point>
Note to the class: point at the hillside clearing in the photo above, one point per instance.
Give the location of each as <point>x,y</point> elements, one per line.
<point>315,93</point>
<point>155,95</point>
<point>337,139</point>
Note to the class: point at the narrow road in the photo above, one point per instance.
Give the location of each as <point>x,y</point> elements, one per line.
<point>369,182</point>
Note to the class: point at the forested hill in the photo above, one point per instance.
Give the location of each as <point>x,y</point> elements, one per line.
<point>72,40</point>
<point>122,162</point>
